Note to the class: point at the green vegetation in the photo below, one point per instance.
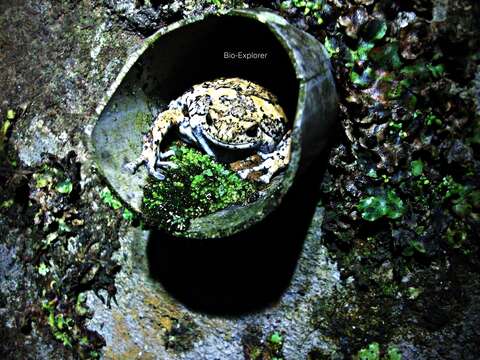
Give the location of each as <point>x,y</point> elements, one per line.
<point>6,204</point>
<point>79,305</point>
<point>386,204</point>
<point>5,126</point>
<point>109,199</point>
<point>463,198</point>
<point>416,167</point>
<point>64,187</point>
<point>361,56</point>
<point>259,346</point>
<point>11,114</point>
<point>372,352</point>
<point>61,327</point>
<point>221,3</point>
<point>61,261</point>
<point>408,165</point>
<point>393,353</point>
<point>330,47</point>
<point>43,269</point>
<point>276,338</point>
<point>128,215</point>
<point>182,334</point>
<point>52,178</point>
<point>432,119</point>
<point>307,7</point>
<point>198,186</point>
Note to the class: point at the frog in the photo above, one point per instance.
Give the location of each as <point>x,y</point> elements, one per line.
<point>226,113</point>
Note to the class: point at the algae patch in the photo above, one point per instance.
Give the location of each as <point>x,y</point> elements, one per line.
<point>142,121</point>
<point>196,187</point>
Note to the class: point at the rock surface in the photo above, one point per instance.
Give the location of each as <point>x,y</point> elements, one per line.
<point>142,323</point>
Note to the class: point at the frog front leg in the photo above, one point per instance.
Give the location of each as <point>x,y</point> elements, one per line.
<point>152,140</point>
<point>272,162</point>
<point>196,125</point>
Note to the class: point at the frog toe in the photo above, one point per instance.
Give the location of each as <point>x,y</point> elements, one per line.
<point>244,173</point>
<point>158,175</point>
<point>166,154</point>
<point>264,156</point>
<point>130,167</point>
<point>167,164</point>
<point>265,178</point>
<point>155,173</point>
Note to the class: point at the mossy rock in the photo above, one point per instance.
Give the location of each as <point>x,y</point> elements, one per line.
<point>295,68</point>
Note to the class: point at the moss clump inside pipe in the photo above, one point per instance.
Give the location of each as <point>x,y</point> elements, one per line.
<point>197,186</point>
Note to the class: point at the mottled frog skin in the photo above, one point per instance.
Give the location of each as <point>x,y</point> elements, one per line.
<point>231,113</point>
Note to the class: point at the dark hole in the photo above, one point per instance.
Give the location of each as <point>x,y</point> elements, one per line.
<point>252,131</point>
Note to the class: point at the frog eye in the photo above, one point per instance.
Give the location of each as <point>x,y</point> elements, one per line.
<point>252,131</point>
<point>209,119</point>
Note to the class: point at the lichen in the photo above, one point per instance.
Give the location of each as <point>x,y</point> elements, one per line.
<point>142,121</point>
<point>181,335</point>
<point>197,186</point>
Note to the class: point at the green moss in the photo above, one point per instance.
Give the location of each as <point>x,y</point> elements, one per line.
<point>142,121</point>
<point>197,187</point>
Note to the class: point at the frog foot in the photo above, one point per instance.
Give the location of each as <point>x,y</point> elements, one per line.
<point>268,165</point>
<point>156,174</point>
<point>132,166</point>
